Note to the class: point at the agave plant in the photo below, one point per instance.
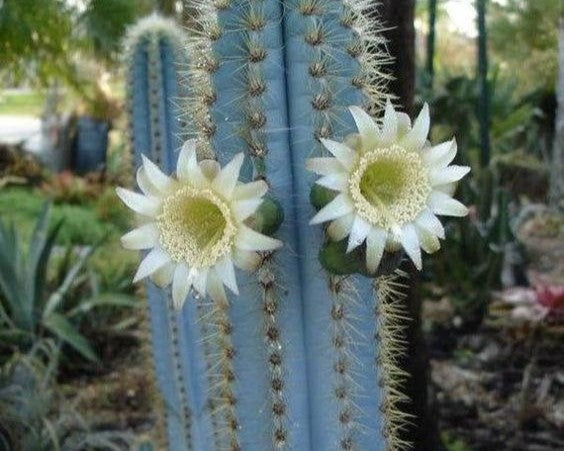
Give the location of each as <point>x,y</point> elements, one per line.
<point>34,414</point>
<point>30,309</point>
<point>297,349</point>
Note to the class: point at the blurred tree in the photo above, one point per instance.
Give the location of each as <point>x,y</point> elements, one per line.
<point>484,114</point>
<point>105,23</point>
<point>35,41</point>
<point>168,7</point>
<point>523,35</point>
<point>557,179</point>
<point>44,43</point>
<point>430,63</point>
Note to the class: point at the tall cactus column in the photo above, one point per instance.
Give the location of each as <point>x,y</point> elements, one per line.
<point>242,107</point>
<point>152,51</point>
<point>329,68</point>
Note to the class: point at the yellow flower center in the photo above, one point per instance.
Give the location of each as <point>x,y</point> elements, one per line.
<point>389,186</point>
<point>196,227</point>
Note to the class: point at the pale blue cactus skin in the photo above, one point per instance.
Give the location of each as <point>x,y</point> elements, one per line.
<point>153,82</point>
<point>294,403</point>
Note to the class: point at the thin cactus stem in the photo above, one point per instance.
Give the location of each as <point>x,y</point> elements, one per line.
<point>151,50</point>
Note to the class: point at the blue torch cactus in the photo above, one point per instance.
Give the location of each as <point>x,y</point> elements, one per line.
<point>301,354</point>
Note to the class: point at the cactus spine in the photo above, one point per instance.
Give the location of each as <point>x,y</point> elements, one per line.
<point>295,361</point>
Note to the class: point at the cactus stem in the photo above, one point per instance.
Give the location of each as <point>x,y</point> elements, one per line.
<point>342,338</point>
<point>185,413</point>
<point>207,347</point>
<point>155,97</point>
<point>275,356</point>
<point>390,312</point>
<point>222,374</point>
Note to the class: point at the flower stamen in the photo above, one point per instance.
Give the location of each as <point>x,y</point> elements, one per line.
<point>389,186</point>
<point>196,227</point>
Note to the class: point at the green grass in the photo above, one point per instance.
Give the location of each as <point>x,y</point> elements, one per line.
<point>82,224</point>
<point>22,104</point>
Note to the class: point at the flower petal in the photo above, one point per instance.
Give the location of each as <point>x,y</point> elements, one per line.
<point>429,242</point>
<point>226,272</point>
<point>187,169</point>
<point>359,232</point>
<point>341,227</point>
<point>428,221</point>
<point>410,242</point>
<point>147,206</point>
<point>244,208</point>
<point>249,240</point>
<point>416,138</point>
<point>375,244</point>
<point>390,125</point>
<point>246,260</point>
<point>441,155</point>
<point>216,290</point>
<point>249,190</point>
<point>163,277</point>
<point>337,182</point>
<point>210,168</point>
<point>154,260</point>
<point>144,237</point>
<point>365,124</point>
<point>157,178</point>
<point>404,124</point>
<point>145,184</point>
<point>200,282</point>
<point>338,207</point>
<point>180,285</point>
<point>324,165</point>
<point>226,180</point>
<point>449,174</point>
<point>442,204</point>
<point>340,151</point>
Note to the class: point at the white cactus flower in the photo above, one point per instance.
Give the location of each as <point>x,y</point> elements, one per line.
<point>194,225</point>
<point>391,183</point>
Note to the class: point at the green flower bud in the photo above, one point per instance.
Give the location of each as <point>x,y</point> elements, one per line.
<point>320,196</point>
<point>268,218</point>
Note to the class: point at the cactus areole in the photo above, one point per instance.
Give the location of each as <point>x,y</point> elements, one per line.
<point>230,124</point>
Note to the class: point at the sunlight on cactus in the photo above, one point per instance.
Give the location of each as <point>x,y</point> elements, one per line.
<point>297,356</point>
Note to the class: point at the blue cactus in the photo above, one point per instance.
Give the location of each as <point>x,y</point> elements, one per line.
<point>302,359</point>
<point>153,51</point>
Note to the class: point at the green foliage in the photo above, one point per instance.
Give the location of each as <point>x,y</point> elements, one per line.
<point>453,443</point>
<point>514,119</point>
<point>29,34</point>
<point>34,414</point>
<point>524,35</point>
<point>26,104</point>
<point>470,262</point>
<point>34,303</point>
<point>106,21</point>
<point>81,224</point>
